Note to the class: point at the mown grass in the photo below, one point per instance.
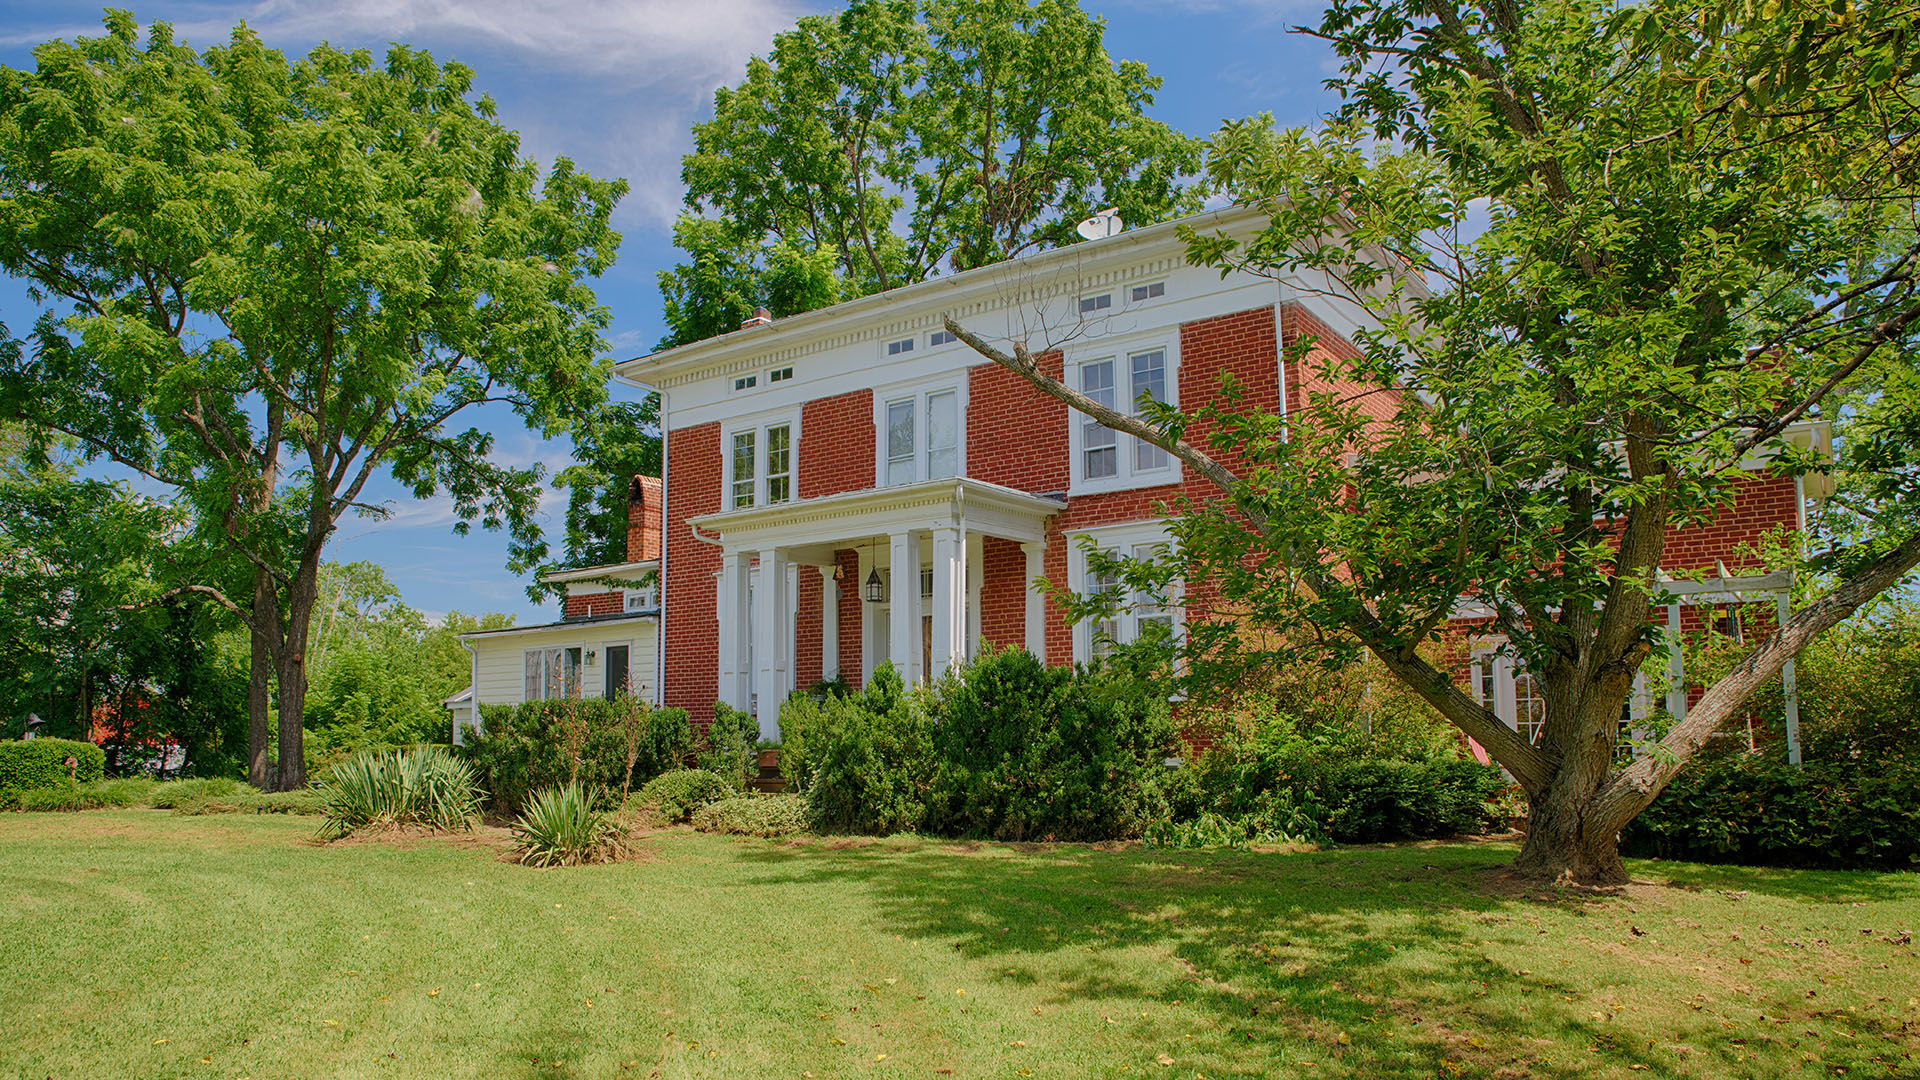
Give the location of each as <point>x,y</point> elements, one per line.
<point>141,944</point>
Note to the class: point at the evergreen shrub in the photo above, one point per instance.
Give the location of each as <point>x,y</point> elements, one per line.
<point>27,764</point>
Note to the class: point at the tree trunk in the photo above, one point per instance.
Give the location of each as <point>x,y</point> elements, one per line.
<point>1565,845</point>
<point>260,673</point>
<point>301,595</point>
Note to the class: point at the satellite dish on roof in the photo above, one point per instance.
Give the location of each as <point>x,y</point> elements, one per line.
<point>1101,225</point>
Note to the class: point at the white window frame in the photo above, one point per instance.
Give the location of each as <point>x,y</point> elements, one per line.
<point>759,424</point>
<point>561,648</point>
<point>1120,353</point>
<point>940,332</point>
<point>1143,286</point>
<point>1122,539</point>
<point>633,677</point>
<point>1493,660</point>
<point>640,597</point>
<point>920,391</point>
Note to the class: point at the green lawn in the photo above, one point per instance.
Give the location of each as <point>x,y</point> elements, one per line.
<point>143,944</point>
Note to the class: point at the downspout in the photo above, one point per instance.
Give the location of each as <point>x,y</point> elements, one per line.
<point>660,630</point>
<point>1280,349</point>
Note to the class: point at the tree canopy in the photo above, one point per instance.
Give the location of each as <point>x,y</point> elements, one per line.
<point>1603,254</point>
<point>284,277</point>
<point>902,138</point>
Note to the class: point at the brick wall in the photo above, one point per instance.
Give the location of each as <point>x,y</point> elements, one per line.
<point>1003,594</point>
<point>1016,435</point>
<point>690,631</point>
<point>852,644</point>
<point>602,603</point>
<point>807,627</point>
<point>837,451</point>
<point>1763,503</point>
<point>643,519</point>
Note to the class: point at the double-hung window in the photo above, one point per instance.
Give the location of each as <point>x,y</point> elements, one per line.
<point>760,465</point>
<point>921,438</point>
<point>1105,457</point>
<point>553,673</point>
<point>1141,612</point>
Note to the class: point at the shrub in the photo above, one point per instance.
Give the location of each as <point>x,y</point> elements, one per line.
<point>802,718</point>
<point>250,801</point>
<point>425,786</point>
<point>540,744</point>
<point>98,795</point>
<point>26,764</point>
<point>1372,801</point>
<point>1027,752</point>
<point>726,748</point>
<point>754,815</point>
<point>676,795</point>
<point>1756,810</point>
<point>1275,775</point>
<point>563,826</point>
<point>173,793</point>
<point>871,759</point>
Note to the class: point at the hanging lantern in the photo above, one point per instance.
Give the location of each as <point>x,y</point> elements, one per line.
<point>876,590</point>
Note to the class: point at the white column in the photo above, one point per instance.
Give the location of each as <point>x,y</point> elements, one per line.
<point>1676,668</point>
<point>1036,553</point>
<point>1789,689</point>
<point>976,577</point>
<point>769,651</point>
<point>904,551</point>
<point>949,601</point>
<point>829,623</point>
<point>735,568</point>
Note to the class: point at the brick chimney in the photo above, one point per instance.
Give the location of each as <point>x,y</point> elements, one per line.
<point>760,317</point>
<point>643,519</point>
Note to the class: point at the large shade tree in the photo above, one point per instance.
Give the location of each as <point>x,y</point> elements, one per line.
<point>279,279</point>
<point>1606,253</point>
<point>898,139</point>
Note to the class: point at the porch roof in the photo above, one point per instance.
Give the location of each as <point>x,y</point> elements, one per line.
<point>954,502</point>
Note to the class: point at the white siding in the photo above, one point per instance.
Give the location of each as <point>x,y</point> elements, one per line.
<point>501,664</point>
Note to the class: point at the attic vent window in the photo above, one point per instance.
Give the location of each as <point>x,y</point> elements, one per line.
<point>779,375</point>
<point>1095,303</point>
<point>895,348</point>
<point>746,382</point>
<point>939,337</point>
<point>1149,292</point>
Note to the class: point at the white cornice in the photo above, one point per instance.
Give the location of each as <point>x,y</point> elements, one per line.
<point>917,307</point>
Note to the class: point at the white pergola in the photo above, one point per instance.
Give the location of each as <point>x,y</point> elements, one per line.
<point>934,524</point>
<point>1727,589</point>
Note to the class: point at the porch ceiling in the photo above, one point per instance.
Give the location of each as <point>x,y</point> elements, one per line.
<point>955,502</point>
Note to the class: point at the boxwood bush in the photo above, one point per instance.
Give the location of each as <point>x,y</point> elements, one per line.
<point>1744,809</point>
<point>1029,752</point>
<point>27,764</point>
<point>675,795</point>
<point>869,759</point>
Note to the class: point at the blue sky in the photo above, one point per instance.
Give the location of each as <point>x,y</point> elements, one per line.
<point>615,85</point>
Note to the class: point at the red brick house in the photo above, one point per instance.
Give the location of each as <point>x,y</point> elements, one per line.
<point>852,485</point>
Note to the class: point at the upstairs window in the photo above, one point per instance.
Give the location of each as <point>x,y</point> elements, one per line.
<point>1105,456</point>
<point>940,337</point>
<point>1149,292</point>
<point>922,437</point>
<point>746,382</point>
<point>760,466</point>
<point>779,375</point>
<point>1091,304</point>
<point>895,348</point>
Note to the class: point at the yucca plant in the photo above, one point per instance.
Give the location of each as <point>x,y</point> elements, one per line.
<point>425,786</point>
<point>562,827</point>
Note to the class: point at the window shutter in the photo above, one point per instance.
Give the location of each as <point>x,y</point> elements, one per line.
<point>531,691</point>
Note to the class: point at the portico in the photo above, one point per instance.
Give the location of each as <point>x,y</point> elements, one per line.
<point>918,567</point>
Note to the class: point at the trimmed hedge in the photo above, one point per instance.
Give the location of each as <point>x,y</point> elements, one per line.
<point>1765,812</point>
<point>28,764</point>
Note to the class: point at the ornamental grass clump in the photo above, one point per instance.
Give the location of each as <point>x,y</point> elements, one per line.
<point>425,787</point>
<point>562,827</point>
